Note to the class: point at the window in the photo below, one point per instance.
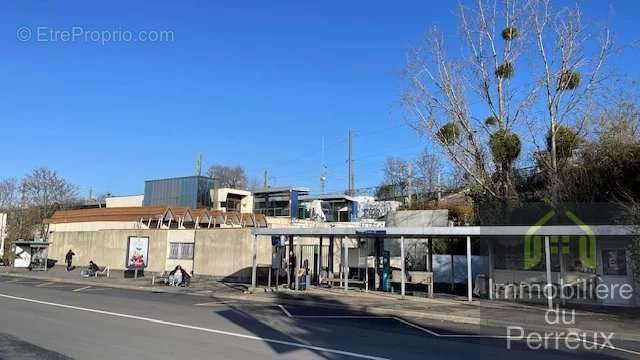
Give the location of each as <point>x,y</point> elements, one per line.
<point>181,251</point>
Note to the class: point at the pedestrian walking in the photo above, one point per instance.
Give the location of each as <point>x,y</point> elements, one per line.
<point>69,259</point>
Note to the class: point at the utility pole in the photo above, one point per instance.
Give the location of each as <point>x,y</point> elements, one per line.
<point>351,190</point>
<point>265,179</point>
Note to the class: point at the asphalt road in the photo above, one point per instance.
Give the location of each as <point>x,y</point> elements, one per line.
<point>41,320</point>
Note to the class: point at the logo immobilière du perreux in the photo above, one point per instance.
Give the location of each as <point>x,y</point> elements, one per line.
<point>559,245</point>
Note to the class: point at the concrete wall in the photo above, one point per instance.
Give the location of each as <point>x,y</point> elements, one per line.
<point>222,253</point>
<point>95,226</point>
<point>220,194</point>
<point>179,236</point>
<point>125,201</point>
<point>227,253</point>
<point>107,247</point>
<point>417,218</point>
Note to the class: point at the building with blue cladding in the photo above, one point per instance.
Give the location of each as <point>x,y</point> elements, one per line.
<point>188,191</point>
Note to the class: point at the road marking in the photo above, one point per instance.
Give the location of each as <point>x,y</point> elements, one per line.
<point>418,327</point>
<point>215,303</point>
<point>342,317</point>
<point>198,328</point>
<point>460,336</point>
<point>285,311</point>
<point>82,288</point>
<point>96,289</point>
<point>45,284</point>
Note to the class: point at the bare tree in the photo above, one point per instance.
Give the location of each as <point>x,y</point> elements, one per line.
<point>428,170</point>
<point>8,192</point>
<point>396,171</point>
<point>45,191</point>
<point>569,77</point>
<point>443,89</point>
<point>228,176</point>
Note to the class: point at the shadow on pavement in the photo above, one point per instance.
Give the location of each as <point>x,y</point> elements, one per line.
<point>13,348</point>
<point>387,338</point>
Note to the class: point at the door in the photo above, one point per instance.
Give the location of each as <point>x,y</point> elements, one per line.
<point>616,276</point>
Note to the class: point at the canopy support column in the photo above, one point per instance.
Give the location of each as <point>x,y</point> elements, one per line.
<point>469,271</point>
<point>254,269</point>
<point>402,269</point>
<point>547,257</point>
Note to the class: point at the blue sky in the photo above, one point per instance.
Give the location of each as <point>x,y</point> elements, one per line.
<point>252,83</point>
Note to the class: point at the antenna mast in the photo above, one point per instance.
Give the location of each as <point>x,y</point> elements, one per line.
<point>199,165</point>
<point>352,181</point>
<point>323,171</point>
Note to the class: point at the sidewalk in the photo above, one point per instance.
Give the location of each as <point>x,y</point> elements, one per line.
<point>499,314</point>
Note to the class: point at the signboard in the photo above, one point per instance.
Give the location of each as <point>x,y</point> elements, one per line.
<point>372,233</point>
<point>22,256</point>
<point>137,252</point>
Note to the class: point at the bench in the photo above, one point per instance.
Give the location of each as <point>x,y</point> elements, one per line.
<point>163,278</point>
<point>103,271</point>
<point>415,278</point>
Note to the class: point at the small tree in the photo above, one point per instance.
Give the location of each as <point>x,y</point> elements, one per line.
<point>8,193</point>
<point>42,193</point>
<point>228,176</point>
<point>396,178</point>
<point>570,75</point>
<point>445,86</point>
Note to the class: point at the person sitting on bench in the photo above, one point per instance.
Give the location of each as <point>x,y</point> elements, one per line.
<point>93,268</point>
<point>179,277</point>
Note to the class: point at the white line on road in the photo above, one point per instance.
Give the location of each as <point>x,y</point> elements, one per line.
<point>82,288</point>
<point>418,327</point>
<point>198,328</point>
<point>44,284</point>
<point>461,336</point>
<point>342,317</point>
<point>215,303</point>
<point>285,311</point>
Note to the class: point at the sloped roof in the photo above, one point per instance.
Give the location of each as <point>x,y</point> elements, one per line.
<point>107,214</point>
<point>201,215</point>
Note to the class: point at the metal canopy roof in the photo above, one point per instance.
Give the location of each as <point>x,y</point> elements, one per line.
<point>476,231</point>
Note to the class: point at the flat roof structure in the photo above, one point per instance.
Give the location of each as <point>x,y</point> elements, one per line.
<point>475,231</point>
<point>327,197</point>
<point>467,232</point>
<point>282,189</point>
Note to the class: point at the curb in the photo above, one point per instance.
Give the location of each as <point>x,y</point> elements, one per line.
<point>375,310</point>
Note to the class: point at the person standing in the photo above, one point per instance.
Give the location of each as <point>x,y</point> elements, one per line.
<point>69,259</point>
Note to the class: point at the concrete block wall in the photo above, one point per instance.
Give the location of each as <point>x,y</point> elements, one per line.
<point>179,236</point>
<point>107,247</point>
<point>227,253</point>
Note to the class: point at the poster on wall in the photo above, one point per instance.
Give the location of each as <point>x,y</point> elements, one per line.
<point>138,252</point>
<point>614,262</point>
